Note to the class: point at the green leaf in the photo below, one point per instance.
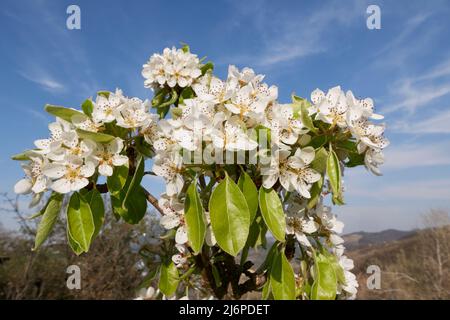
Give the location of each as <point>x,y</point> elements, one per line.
<point>348,145</point>
<point>185,48</point>
<point>334,175</point>
<point>61,112</point>
<point>320,161</point>
<point>338,270</point>
<point>263,132</point>
<point>250,192</point>
<point>80,221</point>
<point>168,279</point>
<point>230,216</point>
<point>282,279</point>
<point>354,159</point>
<point>318,141</point>
<point>159,97</point>
<point>301,106</point>
<point>95,200</point>
<point>266,290</point>
<point>272,212</point>
<point>206,67</point>
<point>164,107</point>
<point>255,232</point>
<point>49,217</point>
<point>87,107</point>
<point>316,190</point>
<point>194,217</point>
<point>117,181</point>
<point>23,156</point>
<point>143,147</point>
<point>95,136</point>
<point>187,93</point>
<point>104,94</point>
<point>325,282</point>
<point>133,209</point>
<point>135,181</point>
<point>73,244</point>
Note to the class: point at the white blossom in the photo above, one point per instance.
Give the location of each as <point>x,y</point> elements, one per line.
<point>71,175</point>
<point>105,107</point>
<point>108,156</point>
<point>173,67</point>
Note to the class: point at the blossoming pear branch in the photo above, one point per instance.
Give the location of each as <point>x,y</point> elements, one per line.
<point>241,170</point>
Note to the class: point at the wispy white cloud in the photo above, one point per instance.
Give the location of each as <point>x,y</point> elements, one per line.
<point>44,80</point>
<point>297,33</point>
<point>417,155</point>
<point>39,115</point>
<point>395,51</point>
<point>410,94</point>
<point>56,58</point>
<point>435,124</point>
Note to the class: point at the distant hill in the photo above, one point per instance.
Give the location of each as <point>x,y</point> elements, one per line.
<point>361,239</point>
<point>413,264</point>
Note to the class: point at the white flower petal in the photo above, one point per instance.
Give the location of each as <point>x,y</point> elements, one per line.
<point>62,186</point>
<point>181,235</point>
<point>23,186</point>
<point>105,170</point>
<point>54,170</point>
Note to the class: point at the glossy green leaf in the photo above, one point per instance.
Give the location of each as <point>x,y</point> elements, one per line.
<point>334,175</point>
<point>325,282</point>
<point>62,112</point>
<point>301,106</point>
<point>250,192</point>
<point>95,136</point>
<point>80,221</point>
<point>135,181</point>
<point>168,279</point>
<point>338,270</point>
<point>23,156</point>
<point>266,290</point>
<point>355,159</point>
<point>104,94</point>
<point>194,218</point>
<point>159,97</point>
<point>206,67</point>
<point>320,160</point>
<point>133,209</point>
<point>318,141</point>
<point>143,147</point>
<point>49,218</point>
<point>316,191</point>
<point>76,248</point>
<point>87,107</point>
<point>185,48</point>
<point>117,181</point>
<point>186,93</point>
<point>272,212</point>
<point>282,279</point>
<point>230,216</point>
<point>95,200</point>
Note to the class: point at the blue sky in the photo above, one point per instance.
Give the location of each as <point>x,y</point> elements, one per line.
<point>299,45</point>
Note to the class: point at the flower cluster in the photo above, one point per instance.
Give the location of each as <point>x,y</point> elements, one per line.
<point>173,67</point>
<point>351,114</point>
<point>66,160</point>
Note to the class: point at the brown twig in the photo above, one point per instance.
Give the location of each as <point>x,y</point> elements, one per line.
<point>153,201</point>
